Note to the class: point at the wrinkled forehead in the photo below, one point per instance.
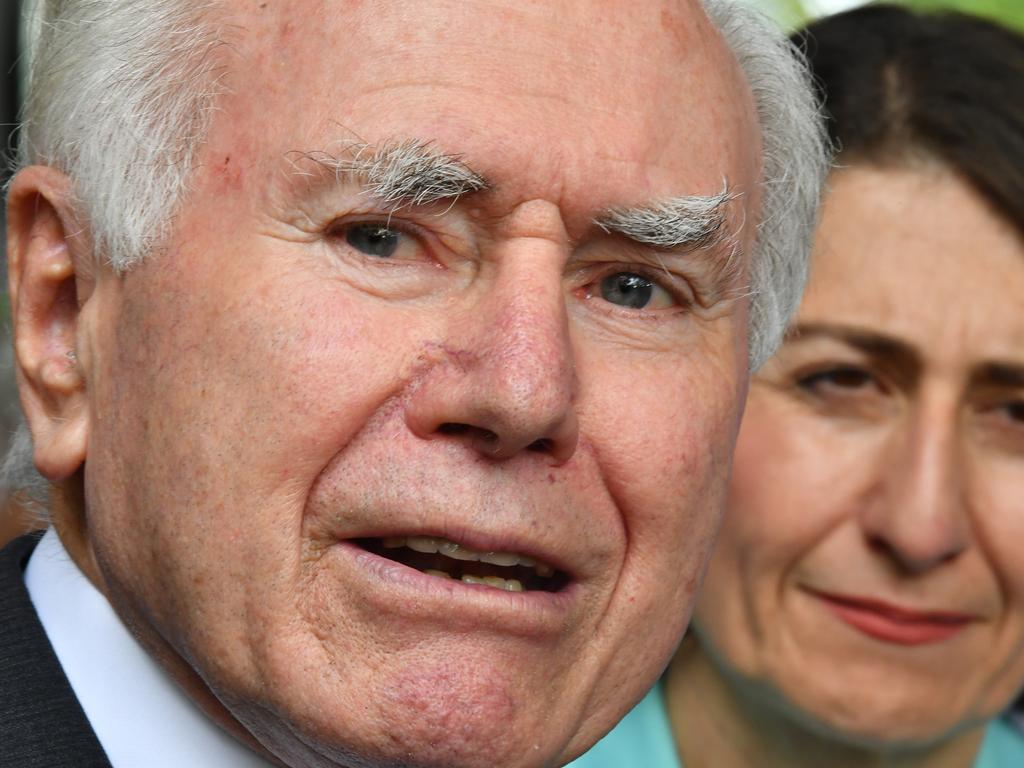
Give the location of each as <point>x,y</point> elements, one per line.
<point>570,100</point>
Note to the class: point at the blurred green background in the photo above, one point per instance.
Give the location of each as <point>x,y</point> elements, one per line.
<point>794,13</point>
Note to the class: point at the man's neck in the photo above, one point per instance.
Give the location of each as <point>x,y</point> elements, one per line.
<point>67,513</point>
<point>132,705</point>
<point>718,725</point>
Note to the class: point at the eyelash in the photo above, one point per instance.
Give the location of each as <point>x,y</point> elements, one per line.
<point>683,299</point>
<point>1011,411</point>
<point>339,228</point>
<point>816,379</point>
<point>675,287</point>
<point>1015,410</point>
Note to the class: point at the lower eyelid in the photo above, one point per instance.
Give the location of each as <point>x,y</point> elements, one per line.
<point>591,292</point>
<point>1012,412</point>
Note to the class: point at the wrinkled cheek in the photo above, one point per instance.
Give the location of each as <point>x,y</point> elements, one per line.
<point>694,507</point>
<point>672,497</point>
<point>691,481</point>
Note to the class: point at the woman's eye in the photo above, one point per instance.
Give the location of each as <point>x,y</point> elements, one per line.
<point>841,378</point>
<point>1005,422</point>
<point>374,239</point>
<point>627,289</point>
<point>1015,411</point>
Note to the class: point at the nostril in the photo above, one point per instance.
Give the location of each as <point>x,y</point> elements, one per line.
<point>495,444</point>
<point>485,436</point>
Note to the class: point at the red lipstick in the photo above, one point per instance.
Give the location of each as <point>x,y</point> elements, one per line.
<point>893,623</point>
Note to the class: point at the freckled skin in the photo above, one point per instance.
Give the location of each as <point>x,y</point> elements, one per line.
<point>904,487</point>
<point>258,393</point>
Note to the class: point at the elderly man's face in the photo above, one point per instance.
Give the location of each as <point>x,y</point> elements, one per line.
<point>312,389</point>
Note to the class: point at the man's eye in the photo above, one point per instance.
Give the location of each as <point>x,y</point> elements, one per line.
<point>374,239</point>
<point>627,289</point>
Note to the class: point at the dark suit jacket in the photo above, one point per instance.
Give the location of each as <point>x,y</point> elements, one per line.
<point>42,725</point>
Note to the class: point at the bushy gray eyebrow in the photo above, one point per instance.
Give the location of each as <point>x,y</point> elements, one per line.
<point>696,221</point>
<point>695,228</point>
<point>400,174</point>
<point>412,172</point>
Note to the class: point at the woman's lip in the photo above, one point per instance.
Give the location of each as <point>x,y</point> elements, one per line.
<point>895,623</point>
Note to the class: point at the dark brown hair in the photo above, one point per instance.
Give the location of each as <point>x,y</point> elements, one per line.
<point>898,84</point>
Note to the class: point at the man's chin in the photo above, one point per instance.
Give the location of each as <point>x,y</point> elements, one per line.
<point>463,716</point>
<point>468,743</point>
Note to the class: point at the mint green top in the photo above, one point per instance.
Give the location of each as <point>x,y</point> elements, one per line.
<point>644,740</point>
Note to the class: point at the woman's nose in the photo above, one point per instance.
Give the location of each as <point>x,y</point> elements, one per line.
<point>920,517</point>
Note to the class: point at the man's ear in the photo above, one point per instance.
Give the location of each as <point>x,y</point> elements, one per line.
<point>50,277</point>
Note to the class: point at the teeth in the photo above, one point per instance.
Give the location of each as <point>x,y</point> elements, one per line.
<point>439,574</point>
<point>426,544</point>
<point>500,558</point>
<point>456,552</point>
<point>496,582</point>
<point>432,544</point>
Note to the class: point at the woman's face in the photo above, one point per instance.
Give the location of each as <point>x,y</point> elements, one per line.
<point>870,572</point>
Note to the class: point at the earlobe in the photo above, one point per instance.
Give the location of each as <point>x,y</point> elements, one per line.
<point>46,281</point>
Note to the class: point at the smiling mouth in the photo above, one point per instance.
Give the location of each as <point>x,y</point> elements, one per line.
<point>895,624</point>
<point>444,559</point>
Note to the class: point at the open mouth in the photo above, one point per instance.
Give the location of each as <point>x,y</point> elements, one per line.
<point>444,559</point>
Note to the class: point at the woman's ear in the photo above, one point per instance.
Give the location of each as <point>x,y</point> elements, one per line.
<point>50,276</point>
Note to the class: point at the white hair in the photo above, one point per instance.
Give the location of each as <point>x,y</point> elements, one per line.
<point>121,93</point>
<point>119,98</point>
<point>796,161</point>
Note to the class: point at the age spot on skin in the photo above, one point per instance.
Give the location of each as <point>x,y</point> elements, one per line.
<point>228,176</point>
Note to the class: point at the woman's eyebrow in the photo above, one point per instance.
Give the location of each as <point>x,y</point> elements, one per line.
<point>871,342</point>
<point>999,374</point>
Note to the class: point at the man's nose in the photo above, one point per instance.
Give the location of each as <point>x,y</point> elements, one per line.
<point>504,380</point>
<point>920,517</point>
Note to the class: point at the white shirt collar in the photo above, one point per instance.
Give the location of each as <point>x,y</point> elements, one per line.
<point>139,714</point>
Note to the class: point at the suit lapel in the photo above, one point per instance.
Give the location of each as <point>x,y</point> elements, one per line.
<point>42,725</point>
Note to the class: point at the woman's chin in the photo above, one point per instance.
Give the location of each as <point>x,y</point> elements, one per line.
<point>883,720</point>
